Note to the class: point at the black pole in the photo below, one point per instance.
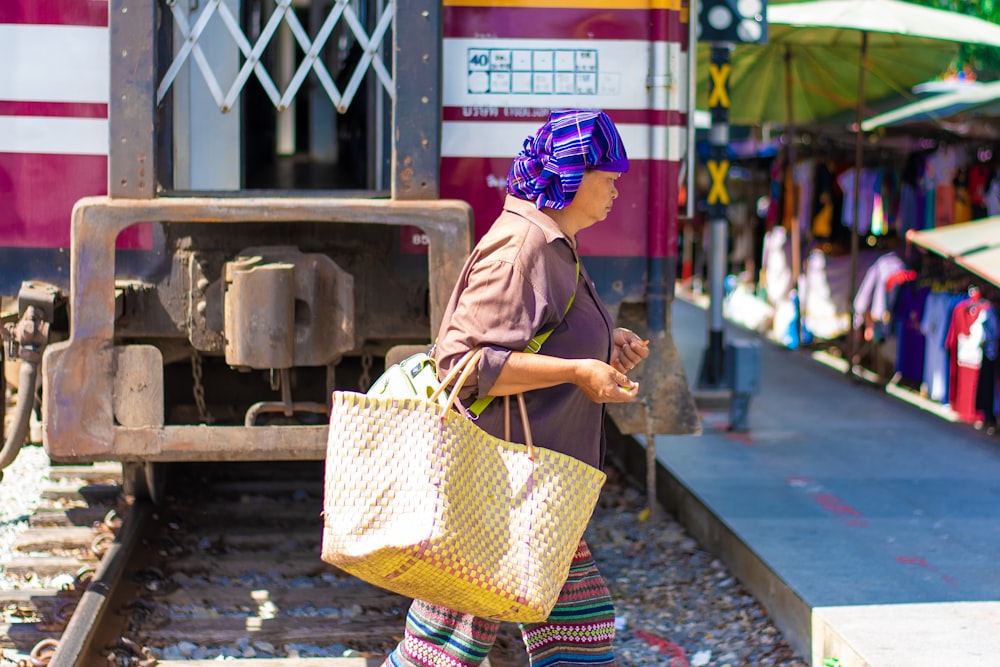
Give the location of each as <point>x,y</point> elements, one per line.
<point>794,233</point>
<point>852,333</point>
<point>712,374</point>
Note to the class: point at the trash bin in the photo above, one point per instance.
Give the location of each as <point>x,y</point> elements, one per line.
<point>742,365</point>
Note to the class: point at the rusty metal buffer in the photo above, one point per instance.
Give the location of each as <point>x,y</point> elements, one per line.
<point>105,400</point>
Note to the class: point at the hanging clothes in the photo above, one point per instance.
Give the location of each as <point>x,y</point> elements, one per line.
<point>940,171</point>
<point>963,197</point>
<point>911,204</point>
<point>979,180</point>
<point>934,325</point>
<point>824,199</point>
<point>776,266</point>
<point>872,295</point>
<point>869,185</point>
<point>991,198</point>
<point>986,388</point>
<point>965,342</point>
<point>776,194</point>
<point>803,175</point>
<point>907,315</point>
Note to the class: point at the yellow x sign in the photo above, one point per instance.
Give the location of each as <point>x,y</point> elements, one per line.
<point>717,171</point>
<point>718,96</point>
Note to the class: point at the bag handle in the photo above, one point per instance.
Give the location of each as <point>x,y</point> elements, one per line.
<point>454,371</point>
<point>463,369</point>
<point>528,440</point>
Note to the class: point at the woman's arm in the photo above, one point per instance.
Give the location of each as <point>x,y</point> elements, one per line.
<point>599,381</point>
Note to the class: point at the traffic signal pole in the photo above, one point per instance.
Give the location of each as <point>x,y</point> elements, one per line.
<point>723,24</point>
<point>713,362</point>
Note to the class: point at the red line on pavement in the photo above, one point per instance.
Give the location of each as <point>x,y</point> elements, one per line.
<point>922,562</point>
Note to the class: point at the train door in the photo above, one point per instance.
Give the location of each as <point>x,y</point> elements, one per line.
<point>313,113</point>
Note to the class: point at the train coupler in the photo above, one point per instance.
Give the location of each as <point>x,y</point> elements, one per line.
<point>26,339</point>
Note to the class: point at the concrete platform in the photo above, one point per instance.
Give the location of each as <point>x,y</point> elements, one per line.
<point>868,527</point>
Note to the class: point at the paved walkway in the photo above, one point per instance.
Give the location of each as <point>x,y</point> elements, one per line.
<point>870,528</point>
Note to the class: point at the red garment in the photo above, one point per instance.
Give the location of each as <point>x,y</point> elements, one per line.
<point>965,337</point>
<point>944,205</point>
<point>979,179</point>
<point>898,278</point>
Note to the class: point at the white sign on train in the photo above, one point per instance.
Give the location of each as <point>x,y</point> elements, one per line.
<point>524,72</point>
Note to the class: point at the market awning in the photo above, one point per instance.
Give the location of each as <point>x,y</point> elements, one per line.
<point>979,99</point>
<point>975,246</point>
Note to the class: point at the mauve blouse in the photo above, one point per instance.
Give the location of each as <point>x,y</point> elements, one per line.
<point>515,284</point>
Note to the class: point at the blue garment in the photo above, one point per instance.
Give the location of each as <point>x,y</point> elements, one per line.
<point>991,334</point>
<point>910,210</point>
<point>934,325</point>
<point>911,345</point>
<point>869,184</point>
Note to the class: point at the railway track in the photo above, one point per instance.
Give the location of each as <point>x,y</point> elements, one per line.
<point>228,567</point>
<point>71,538</point>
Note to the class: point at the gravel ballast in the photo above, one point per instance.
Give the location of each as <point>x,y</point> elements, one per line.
<point>676,604</point>
<point>20,493</point>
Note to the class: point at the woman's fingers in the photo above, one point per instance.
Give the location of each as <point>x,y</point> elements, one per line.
<point>605,384</point>
<point>631,354</point>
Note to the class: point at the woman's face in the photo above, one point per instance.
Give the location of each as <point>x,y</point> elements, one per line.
<point>592,201</point>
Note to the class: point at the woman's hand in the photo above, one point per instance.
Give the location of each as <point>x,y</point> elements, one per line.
<point>603,383</point>
<point>628,350</point>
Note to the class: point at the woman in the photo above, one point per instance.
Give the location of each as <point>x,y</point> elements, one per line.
<point>524,278</point>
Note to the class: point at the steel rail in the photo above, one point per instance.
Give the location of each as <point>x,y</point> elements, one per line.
<point>80,631</point>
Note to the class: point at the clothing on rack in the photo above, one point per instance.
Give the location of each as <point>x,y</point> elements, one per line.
<point>991,197</point>
<point>776,265</point>
<point>939,183</point>
<point>986,388</point>
<point>935,324</point>
<point>870,184</point>
<point>979,180</point>
<point>803,175</point>
<point>872,295</point>
<point>907,314</point>
<point>966,342</point>
<point>824,202</point>
<point>911,203</point>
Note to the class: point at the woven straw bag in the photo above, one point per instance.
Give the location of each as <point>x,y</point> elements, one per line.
<point>421,501</point>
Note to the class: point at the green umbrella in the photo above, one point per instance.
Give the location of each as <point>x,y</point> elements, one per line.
<point>819,79</point>
<point>829,55</point>
<point>814,50</point>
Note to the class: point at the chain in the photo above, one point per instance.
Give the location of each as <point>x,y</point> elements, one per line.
<point>198,388</point>
<point>126,653</point>
<point>366,366</point>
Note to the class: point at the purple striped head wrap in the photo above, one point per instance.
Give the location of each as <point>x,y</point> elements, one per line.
<point>549,168</point>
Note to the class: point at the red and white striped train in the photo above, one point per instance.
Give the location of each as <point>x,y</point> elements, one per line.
<point>212,212</point>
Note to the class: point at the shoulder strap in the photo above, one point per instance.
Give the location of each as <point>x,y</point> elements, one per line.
<point>534,345</point>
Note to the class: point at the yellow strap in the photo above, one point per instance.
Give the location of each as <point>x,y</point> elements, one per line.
<point>534,345</point>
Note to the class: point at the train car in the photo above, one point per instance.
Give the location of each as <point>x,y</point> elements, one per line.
<point>214,212</point>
